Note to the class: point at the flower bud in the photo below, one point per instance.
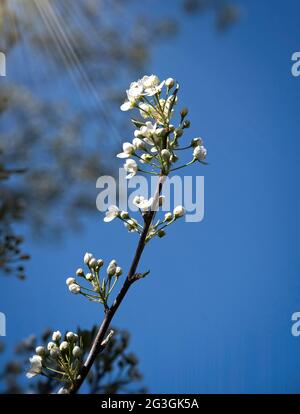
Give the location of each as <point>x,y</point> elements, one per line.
<point>196,142</point>
<point>40,351</point>
<point>161,200</point>
<point>64,346</point>
<point>118,271</point>
<point>178,132</point>
<point>111,269</point>
<point>138,133</point>
<point>173,158</point>
<point>124,215</point>
<point>51,345</point>
<point>70,281</point>
<point>71,336</point>
<point>178,211</point>
<point>89,277</point>
<point>168,216</point>
<point>161,233</point>
<point>79,272</point>
<point>199,153</point>
<point>87,257</point>
<point>184,112</point>
<point>92,263</point>
<point>100,262</point>
<point>170,83</point>
<point>77,352</point>
<point>74,288</point>
<point>138,143</point>
<point>166,155</point>
<point>54,352</point>
<point>146,158</point>
<point>56,336</point>
<point>186,124</point>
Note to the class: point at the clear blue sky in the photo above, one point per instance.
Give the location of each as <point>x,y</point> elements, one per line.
<point>215,313</point>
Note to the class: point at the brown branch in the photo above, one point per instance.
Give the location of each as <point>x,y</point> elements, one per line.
<point>98,346</point>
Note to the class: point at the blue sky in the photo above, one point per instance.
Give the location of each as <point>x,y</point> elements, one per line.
<point>214,315</point>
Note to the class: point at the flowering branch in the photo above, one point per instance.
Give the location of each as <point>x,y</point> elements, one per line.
<point>154,146</point>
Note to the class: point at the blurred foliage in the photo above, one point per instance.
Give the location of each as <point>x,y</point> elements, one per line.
<point>114,371</point>
<point>11,255</point>
<point>56,116</point>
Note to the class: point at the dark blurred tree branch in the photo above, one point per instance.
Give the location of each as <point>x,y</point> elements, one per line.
<point>115,371</point>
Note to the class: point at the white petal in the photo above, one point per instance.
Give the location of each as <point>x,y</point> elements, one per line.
<point>123,155</point>
<point>126,106</point>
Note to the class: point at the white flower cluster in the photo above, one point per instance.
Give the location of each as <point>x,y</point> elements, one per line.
<point>100,288</point>
<point>60,359</point>
<point>156,141</point>
<point>155,145</point>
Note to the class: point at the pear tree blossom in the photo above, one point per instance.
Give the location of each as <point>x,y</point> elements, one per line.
<point>156,149</point>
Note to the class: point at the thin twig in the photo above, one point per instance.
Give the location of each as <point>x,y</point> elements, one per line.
<point>97,346</point>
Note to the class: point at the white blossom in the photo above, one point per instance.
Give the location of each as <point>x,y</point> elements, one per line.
<point>56,336</point>
<point>36,366</point>
<point>141,202</point>
<point>134,92</point>
<point>138,143</point>
<point>148,130</point>
<point>74,288</point>
<point>145,110</point>
<point>152,85</point>
<point>128,150</point>
<point>199,153</point>
<point>111,214</point>
<point>178,211</point>
<point>131,168</point>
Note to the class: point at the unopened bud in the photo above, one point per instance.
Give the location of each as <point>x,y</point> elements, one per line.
<point>161,233</point>
<point>178,132</point>
<point>184,112</point>
<point>186,124</point>
<point>79,272</point>
<point>170,83</point>
<point>124,215</point>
